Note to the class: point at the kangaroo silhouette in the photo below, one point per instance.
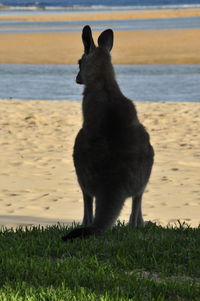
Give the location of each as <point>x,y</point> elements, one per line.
<point>112,155</point>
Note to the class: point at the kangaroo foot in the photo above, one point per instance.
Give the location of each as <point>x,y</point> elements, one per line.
<point>81,233</point>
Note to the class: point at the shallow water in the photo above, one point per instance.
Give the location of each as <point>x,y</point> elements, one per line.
<point>116,25</point>
<point>138,82</point>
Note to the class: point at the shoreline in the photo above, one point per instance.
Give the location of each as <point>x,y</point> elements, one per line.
<point>37,180</point>
<point>38,184</point>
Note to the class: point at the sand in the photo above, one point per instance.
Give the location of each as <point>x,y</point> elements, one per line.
<point>105,15</point>
<point>37,180</point>
<point>130,47</point>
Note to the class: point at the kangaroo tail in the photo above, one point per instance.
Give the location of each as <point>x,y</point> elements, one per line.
<point>107,210</point>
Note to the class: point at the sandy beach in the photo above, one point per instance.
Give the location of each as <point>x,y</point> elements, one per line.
<point>38,181</point>
<point>130,47</point>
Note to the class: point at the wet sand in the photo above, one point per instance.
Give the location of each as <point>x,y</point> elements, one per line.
<point>37,180</point>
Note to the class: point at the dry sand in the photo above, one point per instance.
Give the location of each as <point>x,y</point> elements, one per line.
<point>106,15</point>
<point>130,47</point>
<point>37,178</point>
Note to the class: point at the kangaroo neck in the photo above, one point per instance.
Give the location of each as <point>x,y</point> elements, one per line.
<point>103,86</point>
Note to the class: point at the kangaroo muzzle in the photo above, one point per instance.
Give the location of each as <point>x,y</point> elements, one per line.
<point>79,79</point>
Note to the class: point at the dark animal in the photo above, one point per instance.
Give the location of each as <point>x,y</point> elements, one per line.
<point>112,153</point>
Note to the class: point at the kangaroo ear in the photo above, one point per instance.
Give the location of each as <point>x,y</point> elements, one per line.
<point>105,39</point>
<point>87,39</point>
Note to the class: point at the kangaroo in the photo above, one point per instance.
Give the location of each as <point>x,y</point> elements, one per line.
<point>112,154</point>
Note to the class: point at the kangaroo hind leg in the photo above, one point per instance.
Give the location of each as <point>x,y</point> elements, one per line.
<point>136,219</point>
<point>88,209</point>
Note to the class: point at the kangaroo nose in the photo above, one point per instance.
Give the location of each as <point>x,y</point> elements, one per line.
<point>79,79</point>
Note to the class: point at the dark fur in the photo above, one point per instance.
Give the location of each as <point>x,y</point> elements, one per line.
<point>112,153</point>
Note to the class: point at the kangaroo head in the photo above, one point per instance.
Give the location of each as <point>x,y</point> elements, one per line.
<point>95,59</point>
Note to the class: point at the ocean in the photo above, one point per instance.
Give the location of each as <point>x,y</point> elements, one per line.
<point>99,4</point>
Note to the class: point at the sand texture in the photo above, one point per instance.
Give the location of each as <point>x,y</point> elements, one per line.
<point>130,47</point>
<point>106,15</point>
<point>37,179</point>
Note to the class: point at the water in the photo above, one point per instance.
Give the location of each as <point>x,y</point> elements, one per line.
<point>101,3</point>
<point>116,25</point>
<point>138,82</point>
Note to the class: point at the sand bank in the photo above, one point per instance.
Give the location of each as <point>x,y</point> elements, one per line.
<point>37,178</point>
<point>130,47</point>
<point>106,15</point>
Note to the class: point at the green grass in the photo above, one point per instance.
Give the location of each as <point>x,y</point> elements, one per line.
<point>152,263</point>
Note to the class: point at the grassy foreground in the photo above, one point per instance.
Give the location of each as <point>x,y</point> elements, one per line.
<point>152,263</point>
